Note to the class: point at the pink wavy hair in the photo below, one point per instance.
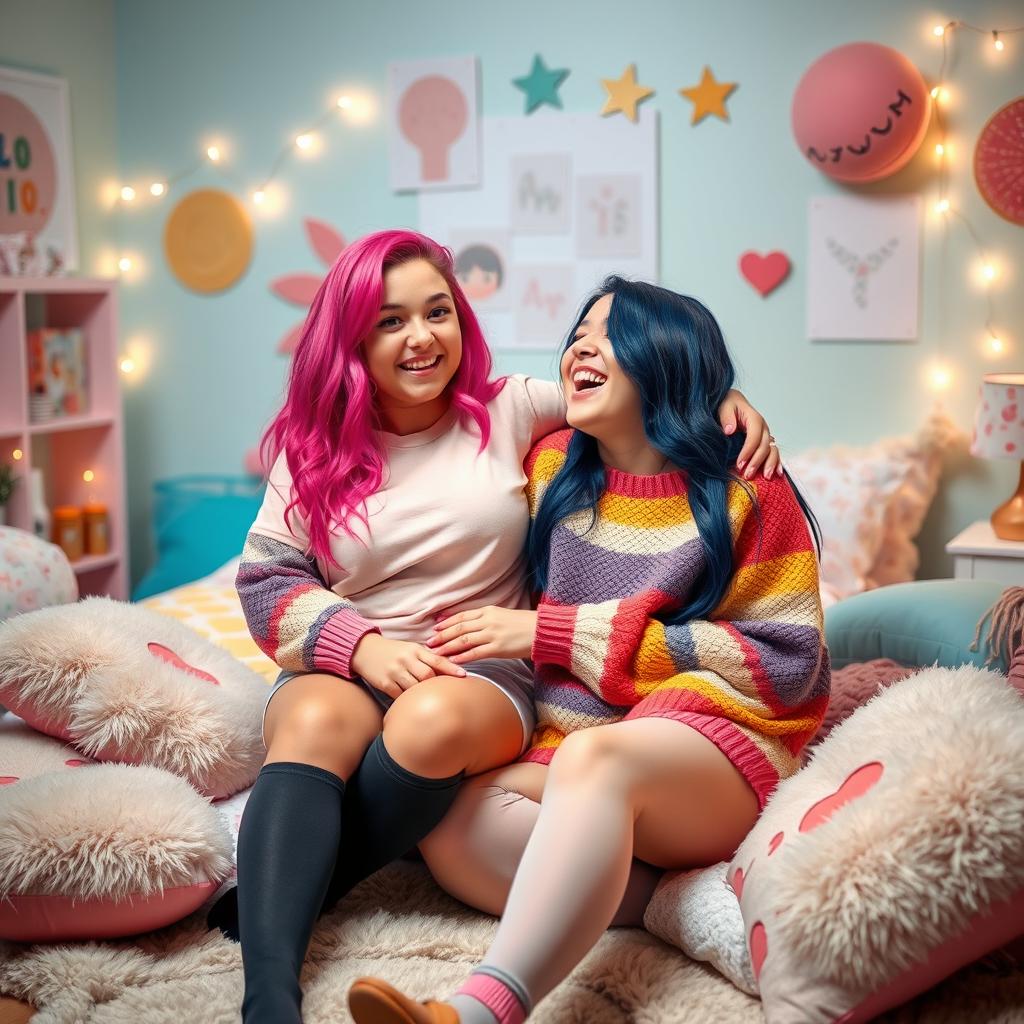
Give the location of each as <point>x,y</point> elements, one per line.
<point>327,425</point>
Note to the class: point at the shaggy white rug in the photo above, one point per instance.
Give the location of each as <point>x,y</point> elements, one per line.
<point>400,926</point>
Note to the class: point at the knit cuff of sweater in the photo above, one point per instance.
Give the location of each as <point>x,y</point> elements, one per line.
<point>337,642</point>
<point>552,641</point>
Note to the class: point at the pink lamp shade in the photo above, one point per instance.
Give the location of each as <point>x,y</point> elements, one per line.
<point>999,421</point>
<point>999,434</point>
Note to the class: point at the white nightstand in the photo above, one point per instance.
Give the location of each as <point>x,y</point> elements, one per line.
<point>978,554</point>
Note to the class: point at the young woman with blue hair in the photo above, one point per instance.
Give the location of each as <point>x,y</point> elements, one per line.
<point>678,649</point>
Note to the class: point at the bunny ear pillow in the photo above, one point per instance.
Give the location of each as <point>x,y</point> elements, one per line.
<point>131,845</point>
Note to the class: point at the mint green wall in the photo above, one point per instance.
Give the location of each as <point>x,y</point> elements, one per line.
<point>258,72</point>
<point>75,39</point>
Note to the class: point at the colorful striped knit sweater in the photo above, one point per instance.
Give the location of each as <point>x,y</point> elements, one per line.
<point>754,677</point>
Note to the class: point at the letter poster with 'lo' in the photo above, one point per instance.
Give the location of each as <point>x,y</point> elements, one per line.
<point>37,189</point>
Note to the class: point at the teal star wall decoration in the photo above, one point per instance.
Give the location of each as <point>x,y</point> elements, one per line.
<point>541,85</point>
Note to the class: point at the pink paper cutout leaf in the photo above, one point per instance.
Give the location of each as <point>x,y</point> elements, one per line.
<point>324,240</point>
<point>298,288</point>
<point>254,464</point>
<point>765,273</point>
<point>286,346</point>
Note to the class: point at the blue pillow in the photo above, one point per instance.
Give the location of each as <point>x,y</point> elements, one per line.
<point>914,624</point>
<point>200,523</point>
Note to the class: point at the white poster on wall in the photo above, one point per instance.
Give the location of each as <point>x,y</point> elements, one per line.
<point>864,268</point>
<point>578,198</point>
<point>433,123</point>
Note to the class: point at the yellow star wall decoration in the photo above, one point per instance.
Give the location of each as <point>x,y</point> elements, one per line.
<point>624,94</point>
<point>708,97</point>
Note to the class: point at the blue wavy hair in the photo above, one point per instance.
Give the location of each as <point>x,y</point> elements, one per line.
<point>672,349</point>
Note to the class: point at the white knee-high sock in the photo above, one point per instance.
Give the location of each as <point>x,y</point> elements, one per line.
<point>482,844</point>
<point>570,882</point>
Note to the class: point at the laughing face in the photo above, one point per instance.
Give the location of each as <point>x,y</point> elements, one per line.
<point>415,348</point>
<point>601,399</point>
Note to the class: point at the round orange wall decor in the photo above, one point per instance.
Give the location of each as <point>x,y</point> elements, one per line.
<point>208,240</point>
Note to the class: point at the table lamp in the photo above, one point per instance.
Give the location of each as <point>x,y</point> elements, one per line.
<point>999,434</point>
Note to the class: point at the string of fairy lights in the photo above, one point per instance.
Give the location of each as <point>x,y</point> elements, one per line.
<point>988,269</point>
<point>361,107</point>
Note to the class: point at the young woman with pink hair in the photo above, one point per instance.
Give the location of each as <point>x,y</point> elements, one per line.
<point>396,498</point>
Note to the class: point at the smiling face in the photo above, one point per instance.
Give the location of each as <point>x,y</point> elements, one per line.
<point>601,399</point>
<point>415,348</point>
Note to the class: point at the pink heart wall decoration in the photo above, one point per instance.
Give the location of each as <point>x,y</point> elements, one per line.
<point>765,273</point>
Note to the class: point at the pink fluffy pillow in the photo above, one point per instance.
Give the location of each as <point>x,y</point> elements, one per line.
<point>126,684</point>
<point>93,851</point>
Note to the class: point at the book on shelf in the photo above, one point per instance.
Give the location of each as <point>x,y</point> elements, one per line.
<point>57,373</point>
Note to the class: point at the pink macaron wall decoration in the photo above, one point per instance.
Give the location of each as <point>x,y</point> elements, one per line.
<point>860,112</point>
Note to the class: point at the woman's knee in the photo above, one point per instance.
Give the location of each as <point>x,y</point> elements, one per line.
<point>590,756</point>
<point>330,728</point>
<point>427,728</point>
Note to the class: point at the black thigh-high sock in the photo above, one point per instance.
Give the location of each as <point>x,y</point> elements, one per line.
<point>388,810</point>
<point>287,847</point>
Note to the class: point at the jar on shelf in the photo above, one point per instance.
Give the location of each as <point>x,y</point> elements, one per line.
<point>96,529</point>
<point>67,531</point>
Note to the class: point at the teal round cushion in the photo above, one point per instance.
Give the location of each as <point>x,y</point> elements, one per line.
<point>926,622</point>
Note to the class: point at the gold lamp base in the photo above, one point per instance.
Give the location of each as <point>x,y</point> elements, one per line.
<point>1008,519</point>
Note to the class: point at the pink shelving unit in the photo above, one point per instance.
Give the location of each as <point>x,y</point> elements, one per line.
<point>65,447</point>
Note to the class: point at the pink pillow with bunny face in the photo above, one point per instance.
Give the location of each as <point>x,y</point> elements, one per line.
<point>893,857</point>
<point>91,851</point>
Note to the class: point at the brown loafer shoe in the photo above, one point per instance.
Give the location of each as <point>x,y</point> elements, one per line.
<point>372,1001</point>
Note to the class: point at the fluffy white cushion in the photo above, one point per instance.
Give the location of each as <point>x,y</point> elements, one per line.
<point>697,912</point>
<point>94,851</point>
<point>125,684</point>
<point>895,856</point>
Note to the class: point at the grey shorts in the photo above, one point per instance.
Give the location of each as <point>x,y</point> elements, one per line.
<point>513,676</point>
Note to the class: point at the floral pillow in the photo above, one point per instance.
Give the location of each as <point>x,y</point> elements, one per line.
<point>33,574</point>
<point>870,502</point>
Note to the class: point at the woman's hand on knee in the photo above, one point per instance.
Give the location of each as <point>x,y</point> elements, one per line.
<point>393,666</point>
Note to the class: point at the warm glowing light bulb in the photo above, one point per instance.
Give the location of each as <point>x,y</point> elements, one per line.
<point>939,31</point>
<point>989,272</point>
<point>935,92</point>
<point>213,153</point>
<point>88,476</point>
<point>940,378</point>
<point>304,141</point>
<point>995,345</point>
<point>17,455</point>
<point>345,102</point>
<point>158,188</point>
<point>939,149</point>
<point>942,206</point>
<point>259,196</point>
<point>127,365</point>
<point>127,193</point>
<point>124,264</point>
<point>997,42</point>
<point>943,95</point>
